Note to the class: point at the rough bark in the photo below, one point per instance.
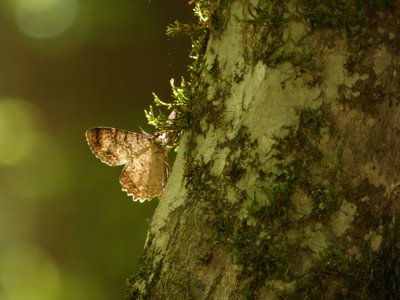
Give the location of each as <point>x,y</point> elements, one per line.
<point>288,187</point>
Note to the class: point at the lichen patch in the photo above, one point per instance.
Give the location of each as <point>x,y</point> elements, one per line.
<point>382,59</point>
<point>343,218</point>
<point>375,240</point>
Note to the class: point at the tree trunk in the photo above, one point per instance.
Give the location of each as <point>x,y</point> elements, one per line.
<point>288,185</point>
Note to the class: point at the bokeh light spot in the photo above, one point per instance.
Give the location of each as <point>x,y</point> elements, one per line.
<point>56,171</point>
<point>46,18</point>
<point>18,130</point>
<point>27,272</point>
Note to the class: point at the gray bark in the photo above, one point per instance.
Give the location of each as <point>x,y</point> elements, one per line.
<point>288,187</point>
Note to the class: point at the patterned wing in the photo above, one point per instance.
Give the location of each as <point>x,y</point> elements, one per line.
<point>116,147</point>
<point>146,167</point>
<point>144,177</point>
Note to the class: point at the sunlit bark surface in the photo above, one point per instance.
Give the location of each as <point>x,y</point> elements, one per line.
<point>288,187</point>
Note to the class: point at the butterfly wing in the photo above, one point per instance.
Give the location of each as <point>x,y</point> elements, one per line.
<point>144,177</point>
<point>146,169</point>
<point>116,147</point>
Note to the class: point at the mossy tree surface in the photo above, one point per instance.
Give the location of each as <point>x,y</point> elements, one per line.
<point>287,181</point>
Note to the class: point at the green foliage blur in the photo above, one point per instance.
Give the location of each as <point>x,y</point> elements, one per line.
<point>67,231</point>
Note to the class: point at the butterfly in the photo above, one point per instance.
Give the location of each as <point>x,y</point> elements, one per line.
<point>146,161</point>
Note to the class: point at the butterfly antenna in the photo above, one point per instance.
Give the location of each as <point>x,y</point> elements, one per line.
<point>145,132</point>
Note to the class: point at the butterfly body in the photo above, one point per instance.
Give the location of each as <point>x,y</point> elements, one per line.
<point>146,168</point>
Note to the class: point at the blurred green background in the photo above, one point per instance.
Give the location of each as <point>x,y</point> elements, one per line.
<point>67,231</point>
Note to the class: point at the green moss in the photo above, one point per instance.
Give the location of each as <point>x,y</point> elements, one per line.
<point>234,167</point>
<point>349,15</point>
<point>375,275</point>
<point>298,153</point>
<point>265,251</point>
<point>254,228</point>
<point>182,116</point>
<point>147,270</point>
<point>217,15</point>
<point>215,70</point>
<point>356,19</point>
<point>268,21</point>
<point>364,95</point>
<point>184,113</point>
